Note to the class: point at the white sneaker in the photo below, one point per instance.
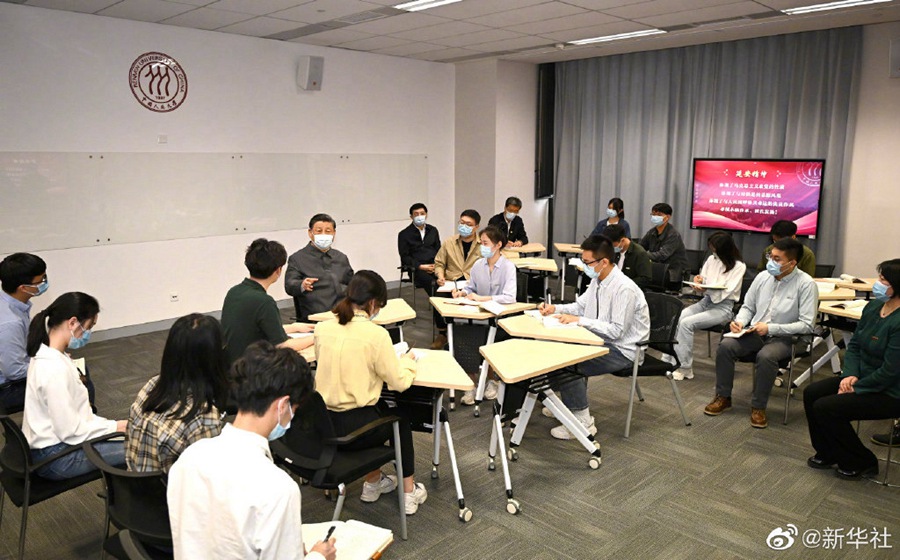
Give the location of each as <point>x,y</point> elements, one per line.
<point>561,432</point>
<point>546,412</point>
<point>490,392</point>
<point>683,373</point>
<point>416,497</point>
<point>667,359</point>
<point>371,492</point>
<point>468,398</point>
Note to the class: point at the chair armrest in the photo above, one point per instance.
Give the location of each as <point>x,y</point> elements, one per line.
<point>652,341</point>
<point>359,432</point>
<point>74,448</point>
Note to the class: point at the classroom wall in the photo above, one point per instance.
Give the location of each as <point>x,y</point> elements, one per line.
<point>65,88</point>
<point>476,117</point>
<point>873,208</point>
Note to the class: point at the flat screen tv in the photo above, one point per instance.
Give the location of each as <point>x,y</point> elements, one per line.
<point>752,194</point>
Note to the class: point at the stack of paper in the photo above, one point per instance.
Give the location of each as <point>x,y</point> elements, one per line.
<point>855,304</point>
<point>492,307</point>
<point>553,322</point>
<point>853,279</point>
<point>353,540</point>
<point>450,286</point>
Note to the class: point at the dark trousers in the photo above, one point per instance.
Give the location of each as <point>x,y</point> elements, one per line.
<point>829,417</point>
<point>12,395</point>
<point>350,420</point>
<point>769,352</point>
<point>427,282</point>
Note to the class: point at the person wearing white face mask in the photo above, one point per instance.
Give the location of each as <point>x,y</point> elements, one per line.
<point>664,243</point>
<point>614,215</point>
<point>614,308</point>
<point>58,414</point>
<point>456,256</point>
<point>782,301</point>
<point>493,278</point>
<point>231,477</point>
<point>510,223</point>
<point>317,275</point>
<point>355,359</point>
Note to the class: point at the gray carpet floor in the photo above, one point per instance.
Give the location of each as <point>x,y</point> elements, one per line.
<point>715,489</point>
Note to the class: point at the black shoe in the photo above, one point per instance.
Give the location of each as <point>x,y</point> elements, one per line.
<point>816,463</point>
<point>857,474</point>
<point>886,440</point>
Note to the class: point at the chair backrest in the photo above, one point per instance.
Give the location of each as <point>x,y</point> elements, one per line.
<point>659,276</point>
<point>305,439</point>
<point>665,311</point>
<point>824,270</point>
<point>135,500</point>
<point>694,260</point>
<point>15,457</point>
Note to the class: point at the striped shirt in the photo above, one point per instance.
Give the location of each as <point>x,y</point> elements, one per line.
<point>615,309</point>
<point>154,440</point>
<point>500,283</point>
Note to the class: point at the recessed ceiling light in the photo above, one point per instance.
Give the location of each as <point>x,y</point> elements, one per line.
<point>419,5</point>
<point>830,6</point>
<point>617,37</point>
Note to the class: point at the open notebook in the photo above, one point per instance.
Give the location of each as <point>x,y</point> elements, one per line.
<point>704,286</point>
<point>353,540</point>
<point>450,286</point>
<point>489,306</point>
<point>855,304</point>
<point>550,321</point>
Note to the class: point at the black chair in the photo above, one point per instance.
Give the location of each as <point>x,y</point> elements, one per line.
<point>659,277</point>
<point>24,487</point>
<point>824,270</point>
<point>407,276</point>
<point>724,327</point>
<point>664,313</point>
<point>311,450</point>
<point>694,262</point>
<point>136,502</point>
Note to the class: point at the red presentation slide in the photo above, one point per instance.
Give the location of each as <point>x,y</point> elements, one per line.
<point>751,195</point>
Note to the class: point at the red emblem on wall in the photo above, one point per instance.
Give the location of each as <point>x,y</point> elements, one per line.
<point>158,82</point>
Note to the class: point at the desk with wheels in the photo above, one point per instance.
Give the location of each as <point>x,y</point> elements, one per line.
<point>452,312</point>
<point>541,267</point>
<point>566,250</point>
<point>840,319</point>
<point>531,369</point>
<point>396,312</point>
<point>436,372</point>
<point>527,250</point>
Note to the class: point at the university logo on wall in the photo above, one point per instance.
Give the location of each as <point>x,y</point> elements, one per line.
<point>158,82</point>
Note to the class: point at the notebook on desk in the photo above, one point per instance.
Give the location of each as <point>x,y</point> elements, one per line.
<point>855,304</point>
<point>353,540</point>
<point>449,286</point>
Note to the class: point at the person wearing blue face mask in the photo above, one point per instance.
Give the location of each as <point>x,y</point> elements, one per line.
<point>867,389</point>
<point>493,278</point>
<point>58,412</point>
<point>231,477</point>
<point>664,244</point>
<point>614,215</point>
<point>614,308</point>
<point>22,277</point>
<point>510,223</point>
<point>455,258</point>
<point>782,301</point>
<point>418,244</point>
<point>317,274</point>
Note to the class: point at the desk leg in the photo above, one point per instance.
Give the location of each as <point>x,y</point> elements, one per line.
<point>562,281</point>
<point>521,423</point>
<point>830,355</point>
<point>465,514</point>
<point>400,327</point>
<point>450,345</point>
<point>436,423</point>
<point>482,376</point>
<point>564,415</point>
<point>546,286</point>
<point>512,505</point>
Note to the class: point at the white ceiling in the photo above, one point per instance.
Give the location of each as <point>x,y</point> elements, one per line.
<point>524,30</point>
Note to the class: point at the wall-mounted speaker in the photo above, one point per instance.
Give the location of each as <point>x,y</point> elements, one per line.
<point>309,72</point>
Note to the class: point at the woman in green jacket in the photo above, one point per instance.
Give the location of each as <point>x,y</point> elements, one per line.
<point>868,388</point>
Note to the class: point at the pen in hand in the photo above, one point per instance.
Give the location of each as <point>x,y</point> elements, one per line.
<point>328,535</point>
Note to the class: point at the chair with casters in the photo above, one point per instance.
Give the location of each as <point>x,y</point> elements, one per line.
<point>135,502</point>
<point>824,270</point>
<point>311,450</point>
<point>665,311</point>
<point>659,277</point>
<point>724,327</point>
<point>20,481</point>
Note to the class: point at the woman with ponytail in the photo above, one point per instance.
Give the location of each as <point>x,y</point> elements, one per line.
<point>57,410</point>
<point>355,358</point>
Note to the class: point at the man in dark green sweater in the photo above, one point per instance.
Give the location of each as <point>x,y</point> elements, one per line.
<point>631,258</point>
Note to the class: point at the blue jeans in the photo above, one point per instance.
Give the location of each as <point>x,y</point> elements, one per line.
<point>76,464</point>
<point>574,393</point>
<point>701,315</point>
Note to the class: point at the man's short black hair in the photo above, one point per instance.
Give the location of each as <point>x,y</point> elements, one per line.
<point>791,248</point>
<point>615,232</point>
<point>20,268</point>
<point>322,218</point>
<point>471,214</point>
<point>264,257</point>
<point>783,228</point>
<point>265,373</point>
<point>417,206</point>
<point>513,201</point>
<point>662,208</point>
<point>600,246</point>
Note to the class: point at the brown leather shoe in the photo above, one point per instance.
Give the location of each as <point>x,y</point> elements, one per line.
<point>758,418</point>
<point>439,342</point>
<point>717,406</point>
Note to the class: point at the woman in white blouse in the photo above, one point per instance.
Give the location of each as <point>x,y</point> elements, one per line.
<point>57,411</point>
<point>723,268</point>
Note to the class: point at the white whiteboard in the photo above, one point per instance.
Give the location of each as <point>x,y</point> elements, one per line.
<point>60,200</point>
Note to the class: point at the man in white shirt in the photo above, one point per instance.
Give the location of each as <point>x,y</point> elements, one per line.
<point>615,309</point>
<point>227,499</point>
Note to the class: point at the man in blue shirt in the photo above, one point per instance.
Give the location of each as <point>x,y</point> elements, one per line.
<point>22,277</point>
<point>781,302</point>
